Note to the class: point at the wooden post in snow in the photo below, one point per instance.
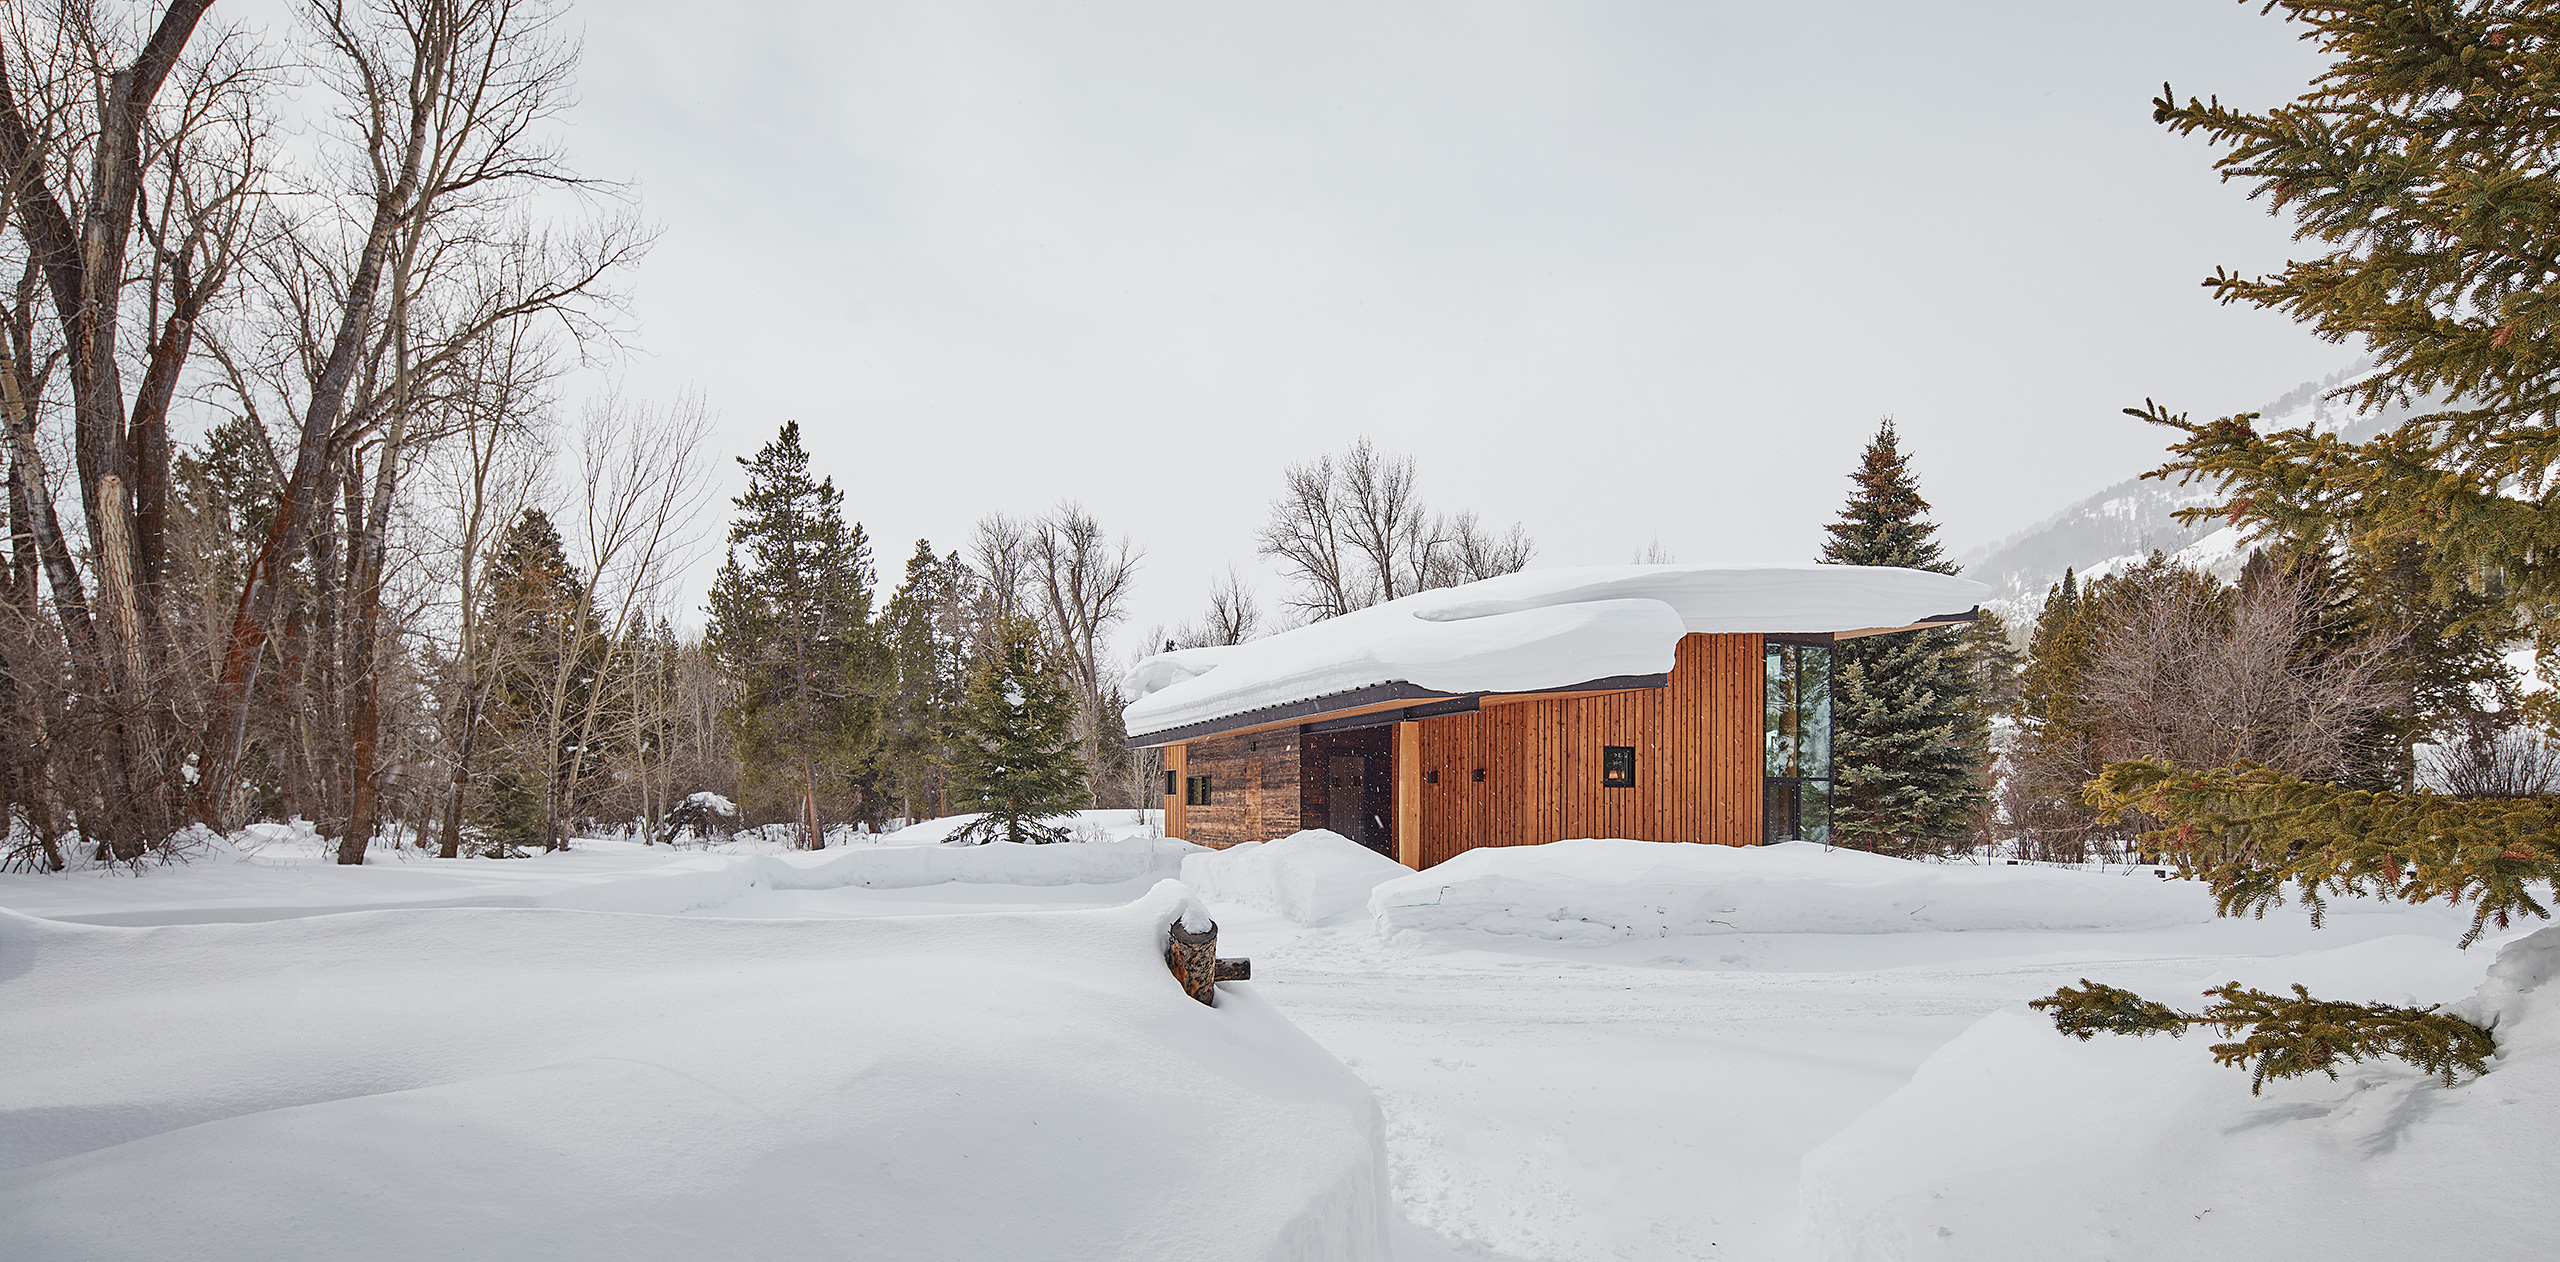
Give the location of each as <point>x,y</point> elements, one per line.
<point>1193,958</point>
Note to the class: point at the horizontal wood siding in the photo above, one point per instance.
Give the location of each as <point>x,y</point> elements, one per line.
<point>1697,744</point>
<point>1253,788</point>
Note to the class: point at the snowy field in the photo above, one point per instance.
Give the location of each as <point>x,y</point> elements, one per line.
<point>1592,1050</point>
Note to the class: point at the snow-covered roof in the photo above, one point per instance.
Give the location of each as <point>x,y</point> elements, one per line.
<point>1532,631</point>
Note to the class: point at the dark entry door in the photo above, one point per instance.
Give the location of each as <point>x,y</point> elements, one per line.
<point>1344,797</point>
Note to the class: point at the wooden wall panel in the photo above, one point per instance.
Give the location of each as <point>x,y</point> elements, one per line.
<point>1254,788</point>
<point>1173,763</point>
<point>1697,744</point>
<point>1408,794</point>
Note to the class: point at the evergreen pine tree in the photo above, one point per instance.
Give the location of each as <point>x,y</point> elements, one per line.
<point>1016,757</point>
<point>926,635</point>
<point>1996,664</point>
<point>791,625</point>
<point>2453,655</point>
<point>1908,740</point>
<point>2057,652</point>
<point>532,606</point>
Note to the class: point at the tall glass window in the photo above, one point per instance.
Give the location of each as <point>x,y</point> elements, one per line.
<point>1797,736</point>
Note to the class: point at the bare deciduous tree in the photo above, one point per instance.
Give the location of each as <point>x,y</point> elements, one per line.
<point>1000,555</point>
<point>1081,578</point>
<point>443,103</point>
<point>1233,617</point>
<point>2210,679</point>
<point>95,145</point>
<point>2494,755</point>
<point>640,473</point>
<point>1306,536</point>
<point>1468,552</point>
<point>1351,532</point>
<point>487,472</point>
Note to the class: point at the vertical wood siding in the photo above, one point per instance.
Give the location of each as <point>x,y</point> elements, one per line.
<point>1698,761</point>
<point>1408,802</point>
<point>1173,763</point>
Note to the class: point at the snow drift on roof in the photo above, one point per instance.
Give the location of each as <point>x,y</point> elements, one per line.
<point>1534,630</point>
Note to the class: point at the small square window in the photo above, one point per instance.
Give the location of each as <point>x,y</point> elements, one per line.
<point>1431,777</point>
<point>1195,791</point>
<point>1479,775</point>
<point>1617,766</point>
<point>1171,785</point>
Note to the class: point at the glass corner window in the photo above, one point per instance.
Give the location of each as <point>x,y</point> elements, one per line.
<point>1796,742</point>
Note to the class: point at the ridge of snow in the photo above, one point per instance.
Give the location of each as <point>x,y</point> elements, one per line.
<point>539,1084</point>
<point>1312,877</point>
<point>600,877</point>
<point>2013,1140</point>
<point>1596,891</point>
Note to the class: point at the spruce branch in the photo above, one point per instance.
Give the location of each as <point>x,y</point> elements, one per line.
<point>2290,1037</point>
<point>2095,1008</point>
<point>2253,833</point>
<point>2284,1037</point>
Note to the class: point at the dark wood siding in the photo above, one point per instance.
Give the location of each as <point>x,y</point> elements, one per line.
<point>1375,747</point>
<point>1253,785</point>
<point>1697,744</point>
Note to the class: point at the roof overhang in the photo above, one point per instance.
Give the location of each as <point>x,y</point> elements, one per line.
<point>1378,706</point>
<point>1934,620</point>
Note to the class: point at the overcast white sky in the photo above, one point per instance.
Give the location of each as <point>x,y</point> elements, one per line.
<point>1617,270</point>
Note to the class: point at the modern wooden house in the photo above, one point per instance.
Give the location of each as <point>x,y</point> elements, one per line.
<point>1657,702</point>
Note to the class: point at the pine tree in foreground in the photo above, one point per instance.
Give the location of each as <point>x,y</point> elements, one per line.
<point>1908,739</point>
<point>1015,758</point>
<point>2422,160</point>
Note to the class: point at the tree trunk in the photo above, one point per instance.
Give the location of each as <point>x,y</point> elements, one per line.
<point>364,709</point>
<point>809,805</point>
<point>253,619</point>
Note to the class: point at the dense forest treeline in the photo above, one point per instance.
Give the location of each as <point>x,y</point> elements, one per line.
<point>296,528</point>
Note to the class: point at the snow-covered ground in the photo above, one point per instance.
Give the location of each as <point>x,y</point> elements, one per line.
<point>1577,1052</point>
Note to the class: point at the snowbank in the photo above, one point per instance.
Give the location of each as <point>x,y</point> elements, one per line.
<point>1598,891</point>
<point>1310,877</point>
<point>1084,826</point>
<point>2016,1142</point>
<point>995,863</point>
<point>532,1084</point>
<point>1532,630</point>
<point>598,876</point>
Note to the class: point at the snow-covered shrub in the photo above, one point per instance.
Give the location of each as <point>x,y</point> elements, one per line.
<point>704,817</point>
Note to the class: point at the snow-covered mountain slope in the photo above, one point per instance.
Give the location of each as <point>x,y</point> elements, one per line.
<point>2127,521</point>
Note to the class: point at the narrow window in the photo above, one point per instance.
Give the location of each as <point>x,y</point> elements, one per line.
<point>1170,788</point>
<point>1617,766</point>
<point>1796,733</point>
